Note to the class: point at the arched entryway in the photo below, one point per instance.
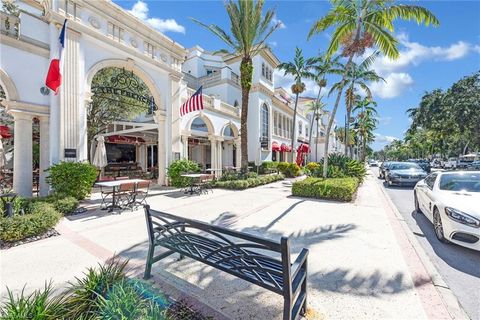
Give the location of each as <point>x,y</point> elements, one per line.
<point>230,146</point>
<point>121,109</point>
<point>199,142</point>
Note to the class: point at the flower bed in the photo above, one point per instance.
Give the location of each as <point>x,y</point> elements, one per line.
<point>102,293</point>
<point>241,184</point>
<point>342,189</point>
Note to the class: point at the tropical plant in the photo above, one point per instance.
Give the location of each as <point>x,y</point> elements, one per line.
<point>316,108</point>
<point>366,123</point>
<point>359,75</point>
<point>179,167</point>
<point>249,33</point>
<point>299,68</point>
<point>362,24</point>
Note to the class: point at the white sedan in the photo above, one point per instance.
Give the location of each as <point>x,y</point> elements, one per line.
<point>451,201</point>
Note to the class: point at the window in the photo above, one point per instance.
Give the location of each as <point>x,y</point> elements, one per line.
<point>300,128</point>
<point>264,121</point>
<point>430,180</point>
<point>306,131</point>
<point>149,49</point>
<point>228,132</point>
<point>263,69</point>
<point>199,125</point>
<point>115,32</point>
<point>235,104</point>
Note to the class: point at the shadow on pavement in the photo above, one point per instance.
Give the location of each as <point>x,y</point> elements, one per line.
<point>454,255</point>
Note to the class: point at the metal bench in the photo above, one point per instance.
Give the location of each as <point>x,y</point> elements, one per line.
<point>257,260</point>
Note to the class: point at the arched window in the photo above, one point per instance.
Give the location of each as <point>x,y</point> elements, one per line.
<point>228,132</point>
<point>300,128</point>
<point>264,121</point>
<point>235,104</point>
<point>199,125</point>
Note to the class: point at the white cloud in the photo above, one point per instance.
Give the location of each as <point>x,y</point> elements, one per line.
<point>273,44</point>
<point>380,138</point>
<point>395,83</point>
<point>140,10</point>
<point>476,48</point>
<point>384,120</point>
<point>275,20</point>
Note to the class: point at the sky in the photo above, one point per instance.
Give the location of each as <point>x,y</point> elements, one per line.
<point>430,57</point>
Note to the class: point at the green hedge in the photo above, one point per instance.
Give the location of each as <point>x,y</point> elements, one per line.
<point>43,217</point>
<point>290,170</point>
<point>74,179</point>
<point>249,182</point>
<point>342,189</point>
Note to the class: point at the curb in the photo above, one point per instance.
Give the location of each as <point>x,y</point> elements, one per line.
<point>449,300</point>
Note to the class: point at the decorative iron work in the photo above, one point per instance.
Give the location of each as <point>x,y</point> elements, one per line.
<point>128,85</point>
<point>257,260</point>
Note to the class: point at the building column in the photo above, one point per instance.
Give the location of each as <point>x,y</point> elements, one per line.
<point>219,158</point>
<point>44,154</point>
<point>22,155</point>
<point>213,150</point>
<point>162,150</point>
<point>185,147</point>
<point>238,153</point>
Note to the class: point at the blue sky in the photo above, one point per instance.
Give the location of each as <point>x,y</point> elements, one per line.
<point>430,57</point>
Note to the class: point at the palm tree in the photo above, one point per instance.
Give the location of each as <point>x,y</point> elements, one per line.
<point>366,122</point>
<point>362,24</point>
<point>249,32</point>
<point>321,66</point>
<point>316,108</point>
<point>299,68</point>
<point>358,75</point>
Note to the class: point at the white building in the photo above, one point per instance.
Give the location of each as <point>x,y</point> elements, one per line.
<point>101,35</point>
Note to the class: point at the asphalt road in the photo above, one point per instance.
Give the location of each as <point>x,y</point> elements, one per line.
<point>459,267</point>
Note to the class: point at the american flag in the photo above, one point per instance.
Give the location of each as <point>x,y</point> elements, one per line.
<point>194,103</point>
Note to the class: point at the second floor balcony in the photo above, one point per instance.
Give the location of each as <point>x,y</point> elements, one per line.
<point>213,79</point>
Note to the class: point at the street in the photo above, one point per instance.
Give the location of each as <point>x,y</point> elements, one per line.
<point>458,266</point>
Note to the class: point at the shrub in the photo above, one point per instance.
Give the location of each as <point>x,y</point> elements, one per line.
<point>340,166</point>
<point>249,182</point>
<point>229,175</point>
<point>268,167</point>
<point>341,189</point>
<point>282,167</point>
<point>179,167</point>
<point>293,170</point>
<point>37,305</point>
<point>43,217</point>
<point>73,179</point>
<point>63,205</point>
<point>312,166</point>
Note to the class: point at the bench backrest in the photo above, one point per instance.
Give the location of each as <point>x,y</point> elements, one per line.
<point>246,256</point>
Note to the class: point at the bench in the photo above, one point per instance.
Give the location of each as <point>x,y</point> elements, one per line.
<point>260,261</point>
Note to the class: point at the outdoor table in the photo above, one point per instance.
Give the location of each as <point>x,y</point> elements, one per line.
<point>192,177</point>
<point>114,184</point>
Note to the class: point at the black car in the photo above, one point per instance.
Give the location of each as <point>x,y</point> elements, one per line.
<point>424,164</point>
<point>404,173</point>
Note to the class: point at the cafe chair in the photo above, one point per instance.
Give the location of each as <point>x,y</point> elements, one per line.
<point>105,192</point>
<point>125,195</point>
<point>141,193</point>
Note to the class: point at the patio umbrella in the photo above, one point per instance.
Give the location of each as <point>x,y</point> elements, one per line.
<point>100,158</point>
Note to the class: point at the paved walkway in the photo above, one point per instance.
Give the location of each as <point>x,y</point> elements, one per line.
<point>361,265</point>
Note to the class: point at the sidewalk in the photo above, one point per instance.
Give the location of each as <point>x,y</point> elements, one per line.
<point>360,265</point>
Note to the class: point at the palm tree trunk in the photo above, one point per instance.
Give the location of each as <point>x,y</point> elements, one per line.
<point>246,72</point>
<point>313,118</point>
<point>316,144</point>
<point>293,127</point>
<point>337,101</point>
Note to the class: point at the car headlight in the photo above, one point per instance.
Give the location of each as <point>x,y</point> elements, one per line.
<point>462,217</point>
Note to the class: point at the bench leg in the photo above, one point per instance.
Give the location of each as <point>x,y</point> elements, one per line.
<point>303,310</point>
<point>287,308</point>
<point>148,265</point>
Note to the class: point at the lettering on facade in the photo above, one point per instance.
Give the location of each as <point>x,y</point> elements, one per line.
<point>70,153</point>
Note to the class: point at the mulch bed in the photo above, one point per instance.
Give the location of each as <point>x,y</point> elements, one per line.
<point>7,245</point>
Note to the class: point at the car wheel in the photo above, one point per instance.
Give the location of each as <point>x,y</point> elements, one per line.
<point>417,205</point>
<point>438,226</point>
<point>389,182</point>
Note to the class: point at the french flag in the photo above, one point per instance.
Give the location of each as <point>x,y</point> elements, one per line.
<point>54,75</point>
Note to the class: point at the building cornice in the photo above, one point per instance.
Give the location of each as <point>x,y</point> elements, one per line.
<point>26,44</point>
<point>259,87</point>
<point>81,28</point>
<point>26,108</point>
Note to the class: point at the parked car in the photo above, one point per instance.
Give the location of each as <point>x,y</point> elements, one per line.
<point>424,164</point>
<point>475,165</point>
<point>465,160</point>
<point>382,168</point>
<point>373,163</point>
<point>450,200</point>
<point>451,163</point>
<point>404,173</point>
<point>436,163</point>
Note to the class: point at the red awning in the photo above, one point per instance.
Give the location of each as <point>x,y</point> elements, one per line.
<point>275,146</point>
<point>125,139</point>
<point>285,148</point>
<point>5,132</point>
<point>303,148</point>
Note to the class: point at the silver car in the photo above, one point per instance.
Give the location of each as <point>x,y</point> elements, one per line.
<point>404,173</point>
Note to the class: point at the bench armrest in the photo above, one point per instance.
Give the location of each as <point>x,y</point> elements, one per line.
<point>298,263</point>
